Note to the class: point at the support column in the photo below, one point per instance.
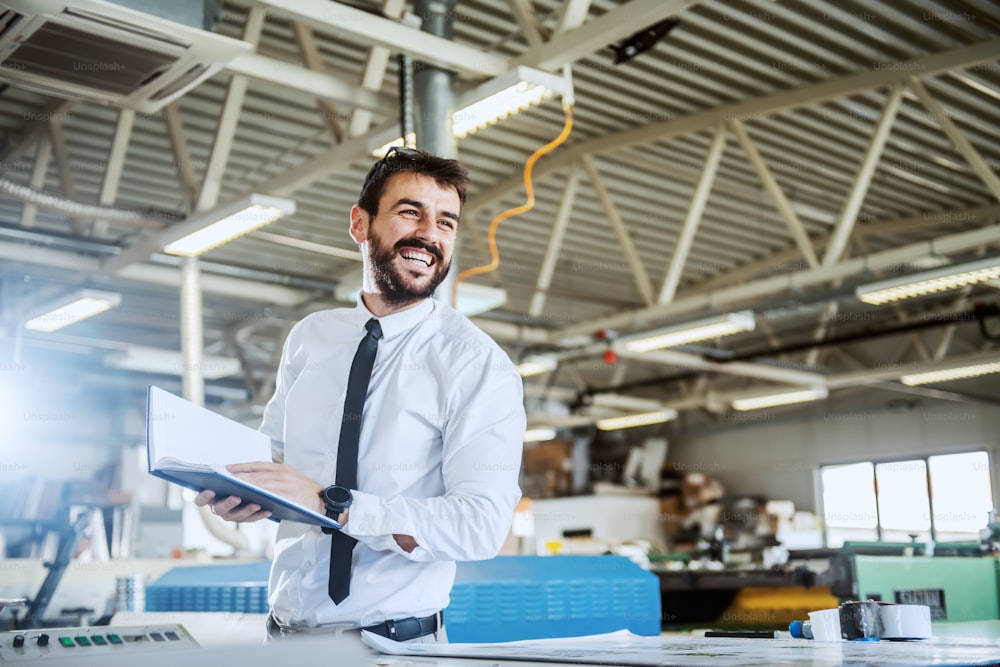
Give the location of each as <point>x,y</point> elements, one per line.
<point>434,90</point>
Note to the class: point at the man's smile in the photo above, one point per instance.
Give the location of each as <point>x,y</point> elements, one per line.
<point>417,256</point>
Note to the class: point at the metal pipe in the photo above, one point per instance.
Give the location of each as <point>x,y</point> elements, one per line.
<point>77,210</point>
<point>434,90</point>
<point>192,336</point>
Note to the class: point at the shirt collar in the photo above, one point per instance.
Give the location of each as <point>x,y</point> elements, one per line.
<point>397,323</point>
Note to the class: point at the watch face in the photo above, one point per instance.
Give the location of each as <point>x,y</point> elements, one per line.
<point>337,495</point>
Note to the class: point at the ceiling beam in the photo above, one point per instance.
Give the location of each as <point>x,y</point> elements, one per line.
<point>762,106</point>
<point>781,202</point>
<point>393,35</point>
<point>27,134</point>
<point>785,283</point>
<point>61,155</point>
<point>115,166</point>
<point>229,118</point>
<point>306,41</point>
<point>376,64</point>
<point>963,145</point>
<point>693,218</point>
<point>863,179</point>
<point>526,17</point>
<point>555,242</point>
<point>43,153</point>
<point>895,371</point>
<point>87,266</point>
<point>296,77</point>
<point>621,22</point>
<point>182,154</point>
<point>572,15</point>
<point>620,229</point>
<point>788,259</point>
<point>687,360</point>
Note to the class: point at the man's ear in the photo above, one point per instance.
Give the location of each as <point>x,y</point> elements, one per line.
<point>359,224</point>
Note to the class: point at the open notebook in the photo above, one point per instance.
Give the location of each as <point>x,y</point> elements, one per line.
<point>189,445</point>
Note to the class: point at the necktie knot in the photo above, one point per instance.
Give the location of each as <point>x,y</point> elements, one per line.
<point>374,329</point>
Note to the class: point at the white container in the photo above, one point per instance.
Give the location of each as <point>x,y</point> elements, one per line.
<point>826,625</point>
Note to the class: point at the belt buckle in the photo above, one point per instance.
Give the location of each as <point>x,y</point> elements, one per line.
<point>404,629</point>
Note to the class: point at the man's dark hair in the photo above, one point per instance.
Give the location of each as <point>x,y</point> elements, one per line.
<point>444,171</point>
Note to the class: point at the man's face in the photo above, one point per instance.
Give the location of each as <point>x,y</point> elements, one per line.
<point>411,239</point>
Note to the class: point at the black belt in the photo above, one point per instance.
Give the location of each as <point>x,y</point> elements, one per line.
<point>400,630</point>
<point>405,629</point>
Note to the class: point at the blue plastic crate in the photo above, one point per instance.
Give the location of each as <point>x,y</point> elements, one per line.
<point>503,599</point>
<point>535,597</point>
<point>240,587</point>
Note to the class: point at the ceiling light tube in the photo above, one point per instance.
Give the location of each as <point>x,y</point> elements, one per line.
<point>143,359</point>
<point>537,365</point>
<point>640,419</point>
<point>928,282</point>
<point>509,93</point>
<point>210,230</point>
<point>539,434</point>
<point>948,374</point>
<point>780,398</point>
<point>73,308</point>
<point>690,332</point>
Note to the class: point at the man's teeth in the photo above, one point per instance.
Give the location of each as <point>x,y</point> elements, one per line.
<point>419,257</point>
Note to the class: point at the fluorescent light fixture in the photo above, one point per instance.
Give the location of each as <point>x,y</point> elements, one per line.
<point>928,282</point>
<point>639,419</point>
<point>948,374</point>
<point>170,362</point>
<point>690,332</point>
<point>509,93</point>
<point>537,365</point>
<point>493,100</point>
<point>780,398</point>
<point>539,434</point>
<point>73,308</point>
<point>213,228</point>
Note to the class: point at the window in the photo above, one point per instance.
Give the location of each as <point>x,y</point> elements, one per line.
<point>947,498</point>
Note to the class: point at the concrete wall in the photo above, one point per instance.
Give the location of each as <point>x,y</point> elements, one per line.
<point>776,453</point>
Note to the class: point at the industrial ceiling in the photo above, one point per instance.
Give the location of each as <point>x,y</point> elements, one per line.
<point>760,156</point>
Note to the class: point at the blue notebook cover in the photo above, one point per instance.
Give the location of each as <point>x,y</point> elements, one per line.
<point>189,445</point>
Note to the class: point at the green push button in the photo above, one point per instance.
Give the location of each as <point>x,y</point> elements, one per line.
<point>66,641</point>
<point>115,639</point>
<point>83,641</point>
<point>99,640</point>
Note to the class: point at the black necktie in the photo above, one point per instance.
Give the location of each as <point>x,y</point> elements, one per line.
<point>342,544</point>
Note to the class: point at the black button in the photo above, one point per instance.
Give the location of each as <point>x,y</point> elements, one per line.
<point>18,641</point>
<point>156,637</point>
<point>43,639</point>
<point>172,636</point>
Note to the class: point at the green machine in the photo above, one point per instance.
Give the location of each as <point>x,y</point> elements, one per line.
<point>956,588</point>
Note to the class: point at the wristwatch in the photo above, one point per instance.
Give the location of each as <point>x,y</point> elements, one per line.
<point>336,499</point>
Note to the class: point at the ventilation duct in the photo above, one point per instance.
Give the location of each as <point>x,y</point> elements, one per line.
<point>106,52</point>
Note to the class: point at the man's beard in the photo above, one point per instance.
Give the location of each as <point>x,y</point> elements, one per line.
<point>389,281</point>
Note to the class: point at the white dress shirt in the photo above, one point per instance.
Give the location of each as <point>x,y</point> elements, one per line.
<point>438,459</point>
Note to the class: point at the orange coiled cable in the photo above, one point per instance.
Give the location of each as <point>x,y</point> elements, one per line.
<point>517,210</point>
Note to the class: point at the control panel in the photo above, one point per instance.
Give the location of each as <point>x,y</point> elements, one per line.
<point>88,644</point>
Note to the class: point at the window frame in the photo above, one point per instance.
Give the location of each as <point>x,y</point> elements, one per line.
<point>875,462</point>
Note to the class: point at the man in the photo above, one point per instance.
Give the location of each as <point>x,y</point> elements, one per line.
<point>441,429</point>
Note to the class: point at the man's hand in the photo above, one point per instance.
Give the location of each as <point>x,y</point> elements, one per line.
<point>278,478</point>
